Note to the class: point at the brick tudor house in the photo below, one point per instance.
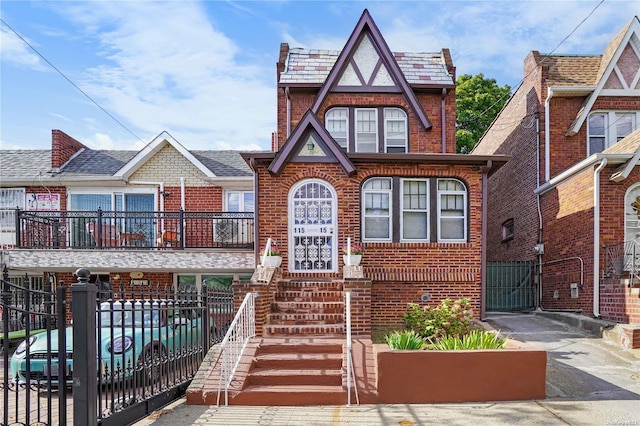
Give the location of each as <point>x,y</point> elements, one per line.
<point>140,195</point>
<point>365,149</point>
<point>571,187</point>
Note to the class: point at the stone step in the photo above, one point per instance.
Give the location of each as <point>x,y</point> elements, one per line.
<point>288,361</point>
<point>322,285</point>
<point>307,307</point>
<point>279,376</point>
<point>305,318</point>
<point>309,296</point>
<point>304,345</point>
<point>292,395</point>
<point>300,329</point>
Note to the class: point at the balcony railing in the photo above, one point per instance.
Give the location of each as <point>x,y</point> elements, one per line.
<point>109,230</point>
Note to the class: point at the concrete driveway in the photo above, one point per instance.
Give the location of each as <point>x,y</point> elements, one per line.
<point>580,366</point>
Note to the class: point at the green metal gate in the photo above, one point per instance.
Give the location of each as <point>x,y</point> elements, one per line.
<point>510,286</point>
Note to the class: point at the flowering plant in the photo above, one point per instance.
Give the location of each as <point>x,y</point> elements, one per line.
<point>273,251</point>
<point>356,249</point>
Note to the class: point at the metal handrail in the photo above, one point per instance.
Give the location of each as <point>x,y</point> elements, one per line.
<point>351,375</point>
<point>242,328</point>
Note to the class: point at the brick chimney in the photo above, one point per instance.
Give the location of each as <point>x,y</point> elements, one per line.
<point>63,147</point>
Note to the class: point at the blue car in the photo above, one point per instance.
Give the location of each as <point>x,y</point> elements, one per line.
<point>131,337</point>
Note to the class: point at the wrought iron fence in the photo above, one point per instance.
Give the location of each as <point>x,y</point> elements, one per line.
<point>150,343</point>
<point>133,230</point>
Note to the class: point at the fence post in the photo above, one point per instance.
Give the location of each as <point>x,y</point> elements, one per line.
<point>85,367</point>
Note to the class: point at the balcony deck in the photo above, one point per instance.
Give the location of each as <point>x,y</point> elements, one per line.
<point>110,230</point>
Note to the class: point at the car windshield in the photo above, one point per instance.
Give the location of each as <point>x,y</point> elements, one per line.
<point>128,315</point>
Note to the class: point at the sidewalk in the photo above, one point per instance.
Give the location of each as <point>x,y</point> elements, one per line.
<point>517,413</point>
<point>589,382</point>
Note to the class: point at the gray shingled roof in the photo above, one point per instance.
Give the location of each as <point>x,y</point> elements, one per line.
<point>24,164</point>
<point>32,164</point>
<point>313,66</point>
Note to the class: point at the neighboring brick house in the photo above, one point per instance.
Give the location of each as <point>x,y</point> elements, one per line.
<point>365,149</point>
<point>168,216</point>
<point>570,189</point>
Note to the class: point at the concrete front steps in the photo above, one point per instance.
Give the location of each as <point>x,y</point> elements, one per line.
<point>306,307</point>
<point>295,371</point>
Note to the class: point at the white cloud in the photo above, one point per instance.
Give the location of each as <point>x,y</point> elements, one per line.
<point>168,68</point>
<point>14,50</point>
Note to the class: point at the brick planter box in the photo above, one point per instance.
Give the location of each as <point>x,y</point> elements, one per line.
<point>418,377</point>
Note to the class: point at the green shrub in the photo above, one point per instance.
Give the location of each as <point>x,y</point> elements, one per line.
<point>407,339</point>
<point>447,319</point>
<point>476,339</point>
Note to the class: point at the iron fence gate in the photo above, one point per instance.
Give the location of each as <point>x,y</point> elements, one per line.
<point>510,286</point>
<point>149,344</point>
<point>28,313</point>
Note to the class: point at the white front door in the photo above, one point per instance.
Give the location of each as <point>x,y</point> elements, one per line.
<point>313,227</point>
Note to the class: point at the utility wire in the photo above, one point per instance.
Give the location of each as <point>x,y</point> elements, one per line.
<point>71,82</point>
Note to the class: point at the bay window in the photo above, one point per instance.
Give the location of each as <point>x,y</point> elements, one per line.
<point>414,210</point>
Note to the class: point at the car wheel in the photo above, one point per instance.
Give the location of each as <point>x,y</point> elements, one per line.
<point>151,361</point>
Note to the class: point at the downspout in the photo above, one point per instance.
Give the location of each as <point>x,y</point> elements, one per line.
<point>547,136</point>
<point>286,93</point>
<point>256,195</point>
<point>444,121</point>
<point>596,238</point>
<point>182,194</point>
<point>483,249</point>
<point>540,238</point>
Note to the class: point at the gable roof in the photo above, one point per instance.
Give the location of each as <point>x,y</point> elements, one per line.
<point>152,148</point>
<point>308,123</point>
<point>393,80</point>
<point>610,79</point>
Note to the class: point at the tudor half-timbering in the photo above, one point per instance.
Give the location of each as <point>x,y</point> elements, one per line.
<point>365,150</point>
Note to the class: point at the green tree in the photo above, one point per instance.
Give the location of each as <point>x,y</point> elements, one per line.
<point>478,101</point>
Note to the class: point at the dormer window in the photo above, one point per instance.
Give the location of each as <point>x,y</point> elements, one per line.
<point>369,129</point>
<point>608,127</point>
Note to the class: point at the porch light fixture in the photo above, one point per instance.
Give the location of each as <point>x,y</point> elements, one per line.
<point>310,144</point>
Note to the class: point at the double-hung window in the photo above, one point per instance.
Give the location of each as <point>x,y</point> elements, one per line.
<point>605,128</point>
<point>452,211</point>
<point>380,129</point>
<point>337,124</point>
<point>415,210</point>
<point>376,195</point>
<point>366,130</point>
<point>395,130</point>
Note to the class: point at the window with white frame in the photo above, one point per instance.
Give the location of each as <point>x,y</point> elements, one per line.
<point>376,195</point>
<point>605,128</point>
<point>357,129</point>
<point>366,130</point>
<point>10,199</point>
<point>415,211</point>
<point>337,124</point>
<point>239,201</point>
<point>395,130</point>
<point>452,211</point>
<point>425,210</point>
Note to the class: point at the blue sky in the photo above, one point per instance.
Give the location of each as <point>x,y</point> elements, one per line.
<point>205,71</point>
